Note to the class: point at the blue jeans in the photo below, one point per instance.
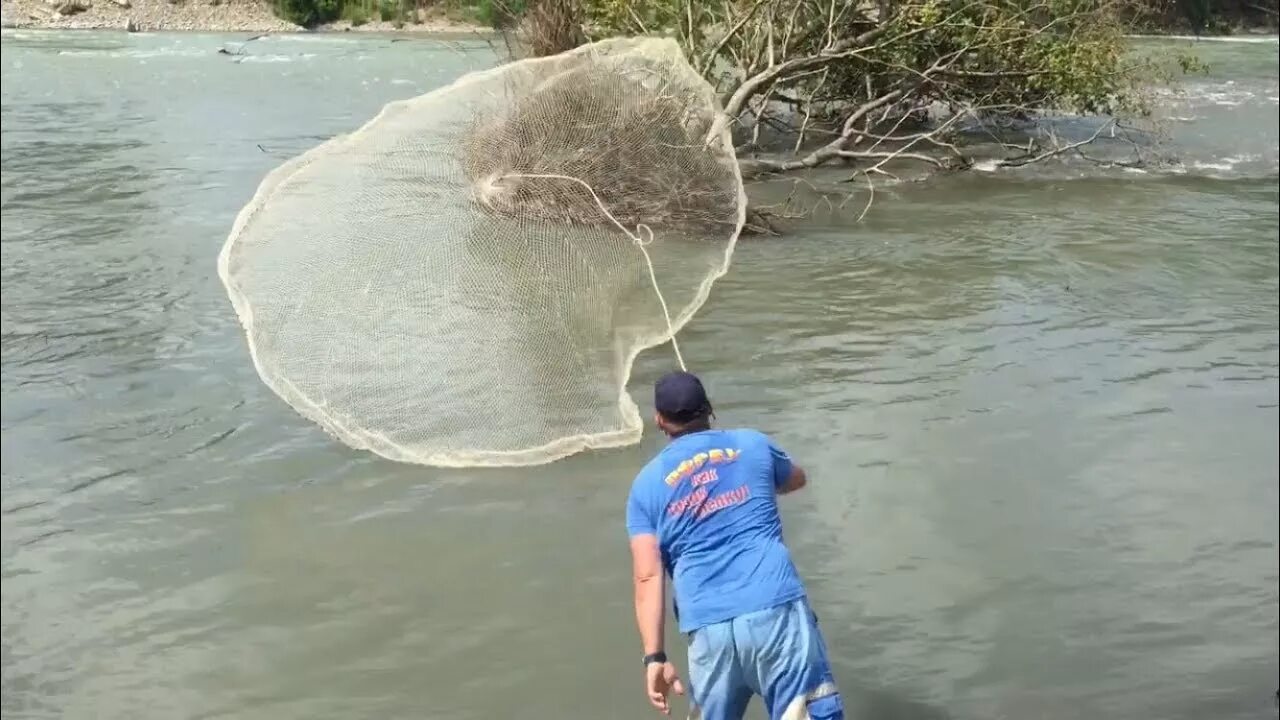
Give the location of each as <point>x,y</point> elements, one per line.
<point>776,653</point>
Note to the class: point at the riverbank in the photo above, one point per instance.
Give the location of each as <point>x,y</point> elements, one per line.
<point>194,15</point>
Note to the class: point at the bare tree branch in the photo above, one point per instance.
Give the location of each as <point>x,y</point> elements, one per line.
<point>1056,150</point>
<point>873,83</point>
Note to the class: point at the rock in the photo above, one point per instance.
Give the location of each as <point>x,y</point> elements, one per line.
<point>123,3</point>
<point>131,26</point>
<point>71,7</point>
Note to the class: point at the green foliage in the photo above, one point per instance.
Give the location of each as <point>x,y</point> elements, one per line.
<point>612,17</point>
<point>497,13</point>
<point>355,14</point>
<point>1209,16</point>
<point>1190,64</point>
<point>308,13</point>
<point>485,13</point>
<point>1013,56</point>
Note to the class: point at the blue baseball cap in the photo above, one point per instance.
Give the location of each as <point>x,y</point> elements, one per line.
<point>680,397</point>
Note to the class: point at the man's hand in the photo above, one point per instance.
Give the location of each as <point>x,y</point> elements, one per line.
<point>660,679</point>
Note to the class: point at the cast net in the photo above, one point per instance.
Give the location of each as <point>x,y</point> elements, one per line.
<point>468,278</point>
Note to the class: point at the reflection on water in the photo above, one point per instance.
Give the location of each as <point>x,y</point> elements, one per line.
<point>1039,408</point>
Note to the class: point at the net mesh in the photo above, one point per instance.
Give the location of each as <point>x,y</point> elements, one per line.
<point>467,279</point>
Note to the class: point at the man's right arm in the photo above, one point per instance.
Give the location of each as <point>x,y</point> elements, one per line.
<point>787,476</point>
<point>796,479</point>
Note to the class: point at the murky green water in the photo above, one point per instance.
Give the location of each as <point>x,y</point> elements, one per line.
<point>1039,410</point>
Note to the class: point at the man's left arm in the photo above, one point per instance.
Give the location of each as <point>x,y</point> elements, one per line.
<point>650,582</point>
<point>646,571</point>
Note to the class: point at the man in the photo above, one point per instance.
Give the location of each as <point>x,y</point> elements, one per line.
<point>705,512</point>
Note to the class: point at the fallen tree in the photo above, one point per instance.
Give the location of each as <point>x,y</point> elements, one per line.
<point>874,86</point>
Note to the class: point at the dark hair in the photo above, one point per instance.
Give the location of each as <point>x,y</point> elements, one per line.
<point>692,423</point>
<point>702,414</point>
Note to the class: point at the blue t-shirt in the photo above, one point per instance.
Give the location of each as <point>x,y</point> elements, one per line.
<point>711,498</point>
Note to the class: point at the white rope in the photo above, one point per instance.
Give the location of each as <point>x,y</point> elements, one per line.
<point>641,227</point>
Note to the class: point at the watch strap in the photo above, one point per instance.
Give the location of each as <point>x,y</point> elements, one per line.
<point>658,657</point>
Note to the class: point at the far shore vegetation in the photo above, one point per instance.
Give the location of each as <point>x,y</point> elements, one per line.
<point>1207,17</point>
<point>402,13</point>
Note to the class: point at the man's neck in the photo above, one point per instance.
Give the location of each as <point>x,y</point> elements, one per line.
<point>700,427</point>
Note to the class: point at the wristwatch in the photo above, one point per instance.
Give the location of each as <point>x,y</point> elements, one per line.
<point>658,657</point>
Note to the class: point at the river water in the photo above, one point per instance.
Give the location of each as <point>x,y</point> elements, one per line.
<point>1039,410</point>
